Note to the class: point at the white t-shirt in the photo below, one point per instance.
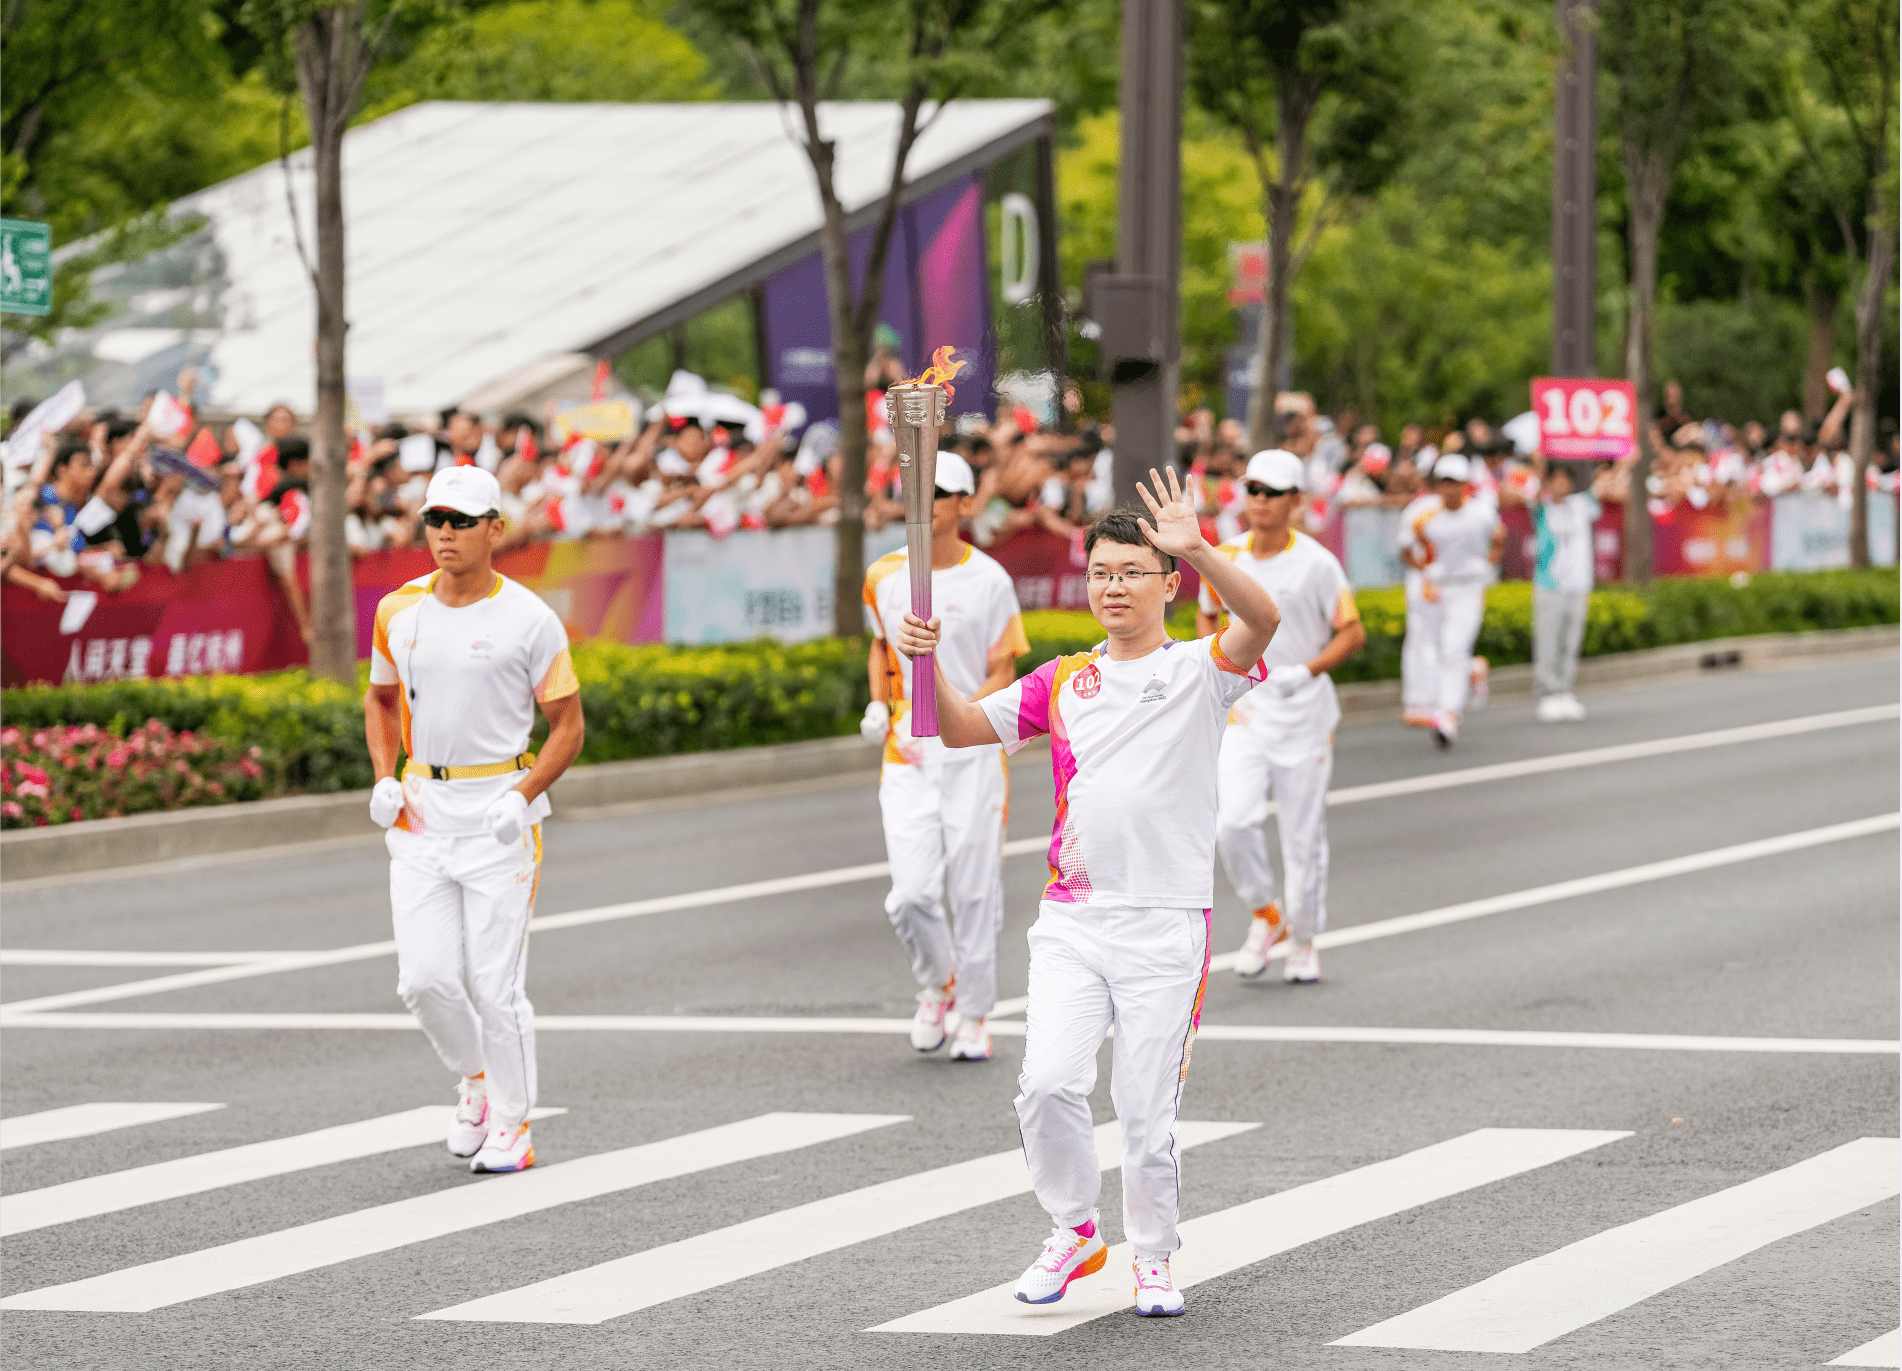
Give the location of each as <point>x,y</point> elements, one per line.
<point>1456,541</point>
<point>1133,746</point>
<point>1311,590</point>
<point>470,677</point>
<point>1565,531</point>
<point>976,603</point>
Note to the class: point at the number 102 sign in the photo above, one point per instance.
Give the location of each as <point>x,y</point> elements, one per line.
<point>1581,417</point>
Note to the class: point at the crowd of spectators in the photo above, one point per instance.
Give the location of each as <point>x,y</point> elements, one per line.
<point>107,493</point>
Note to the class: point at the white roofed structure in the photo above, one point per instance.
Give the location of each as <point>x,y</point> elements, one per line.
<point>488,240</point>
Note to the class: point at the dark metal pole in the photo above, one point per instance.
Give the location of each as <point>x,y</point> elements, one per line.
<point>1138,313</point>
<point>1575,194</point>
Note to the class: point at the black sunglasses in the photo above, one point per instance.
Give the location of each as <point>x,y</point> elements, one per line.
<point>453,518</point>
<point>1257,488</point>
<point>940,493</point>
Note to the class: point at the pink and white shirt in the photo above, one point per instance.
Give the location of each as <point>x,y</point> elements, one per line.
<point>1133,746</point>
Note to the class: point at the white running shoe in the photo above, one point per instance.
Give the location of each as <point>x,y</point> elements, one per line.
<point>1071,1254</point>
<point>507,1149</point>
<point>1303,966</point>
<point>470,1124</point>
<point>1550,710</point>
<point>1264,931</point>
<point>927,1025</point>
<point>971,1042</point>
<point>1446,728</point>
<point>1573,709</point>
<point>1156,1293</point>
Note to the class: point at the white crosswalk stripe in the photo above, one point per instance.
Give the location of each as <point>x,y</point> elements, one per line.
<point>84,1120</point>
<point>1219,1243</point>
<point>119,1190</point>
<point>614,1288</point>
<point>1532,1303</point>
<point>1883,1350</point>
<point>252,1261</point>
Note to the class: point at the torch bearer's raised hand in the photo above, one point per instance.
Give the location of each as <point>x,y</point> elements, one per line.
<point>1176,530</point>
<point>916,637</point>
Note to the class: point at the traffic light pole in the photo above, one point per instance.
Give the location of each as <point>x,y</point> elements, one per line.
<point>1137,305</point>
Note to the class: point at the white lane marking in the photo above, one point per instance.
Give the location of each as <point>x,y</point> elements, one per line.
<point>271,1256</point>
<point>37,956</point>
<point>1548,894</point>
<point>27,1210</point>
<point>611,1289</point>
<point>1269,1033</point>
<point>84,1120</point>
<point>1882,1350</point>
<point>1546,1298</point>
<point>274,963</point>
<point>1219,1243</point>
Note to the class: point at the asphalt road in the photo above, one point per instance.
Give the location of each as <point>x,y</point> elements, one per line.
<point>1765,946</point>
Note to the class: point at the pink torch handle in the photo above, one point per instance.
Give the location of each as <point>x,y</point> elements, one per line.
<point>924,673</point>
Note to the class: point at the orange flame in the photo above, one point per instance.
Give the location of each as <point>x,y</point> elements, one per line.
<point>943,367</point>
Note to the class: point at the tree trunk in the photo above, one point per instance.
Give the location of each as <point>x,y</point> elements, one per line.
<point>1821,299</point>
<point>1282,205</point>
<point>1862,421</point>
<point>848,372</point>
<point>1646,183</point>
<point>328,46</point>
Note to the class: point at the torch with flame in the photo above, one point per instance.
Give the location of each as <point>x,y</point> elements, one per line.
<point>916,411</point>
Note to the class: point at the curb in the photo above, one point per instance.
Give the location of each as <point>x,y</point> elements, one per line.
<point>141,839</point>
<point>1362,700</point>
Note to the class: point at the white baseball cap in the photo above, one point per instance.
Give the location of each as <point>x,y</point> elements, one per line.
<point>1276,468</point>
<point>1452,466</point>
<point>954,474</point>
<point>467,490</point>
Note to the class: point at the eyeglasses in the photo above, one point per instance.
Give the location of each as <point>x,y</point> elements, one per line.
<point>1257,488</point>
<point>453,518</point>
<point>940,493</point>
<point>1101,578</point>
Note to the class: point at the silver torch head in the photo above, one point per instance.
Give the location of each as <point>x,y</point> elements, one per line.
<point>916,415</point>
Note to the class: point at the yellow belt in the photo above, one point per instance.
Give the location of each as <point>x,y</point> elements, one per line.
<point>422,771</point>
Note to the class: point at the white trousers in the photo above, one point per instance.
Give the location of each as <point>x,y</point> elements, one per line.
<point>1450,627</point>
<point>1416,683</point>
<point>461,908</point>
<point>1143,971</point>
<point>944,828</point>
<point>1296,771</point>
<point>1558,631</point>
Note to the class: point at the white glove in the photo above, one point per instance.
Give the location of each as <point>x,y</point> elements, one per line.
<point>386,802</point>
<point>1285,680</point>
<point>877,721</point>
<point>507,817</point>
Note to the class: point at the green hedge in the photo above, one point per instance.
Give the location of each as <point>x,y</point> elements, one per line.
<point>649,701</point>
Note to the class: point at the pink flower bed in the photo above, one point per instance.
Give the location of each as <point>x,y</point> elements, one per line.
<point>65,773</point>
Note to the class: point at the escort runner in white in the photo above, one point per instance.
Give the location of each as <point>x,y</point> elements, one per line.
<point>1122,933</point>
<point>944,810</point>
<point>460,659</point>
<point>1456,546</point>
<point>1280,738</point>
<point>1564,517</point>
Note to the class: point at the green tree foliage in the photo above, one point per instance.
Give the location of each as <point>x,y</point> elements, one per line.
<point>546,50</point>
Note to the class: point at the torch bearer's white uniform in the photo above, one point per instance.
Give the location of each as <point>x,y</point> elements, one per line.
<point>944,808</point>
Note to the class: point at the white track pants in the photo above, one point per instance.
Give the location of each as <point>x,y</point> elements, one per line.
<point>944,827</point>
<point>1296,771</point>
<point>1451,626</point>
<point>461,908</point>
<point>1143,970</point>
<point>1416,673</point>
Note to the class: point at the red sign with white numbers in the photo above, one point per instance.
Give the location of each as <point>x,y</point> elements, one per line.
<point>1581,417</point>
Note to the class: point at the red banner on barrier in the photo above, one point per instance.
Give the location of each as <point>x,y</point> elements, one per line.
<point>233,615</point>
<point>1048,570</point>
